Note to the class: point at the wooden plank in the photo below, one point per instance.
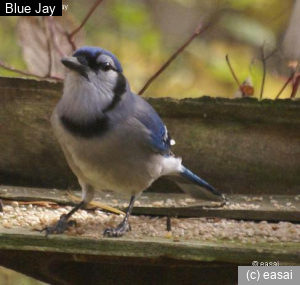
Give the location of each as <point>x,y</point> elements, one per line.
<point>153,248</point>
<point>255,208</point>
<point>71,260</point>
<point>135,260</point>
<point>239,146</point>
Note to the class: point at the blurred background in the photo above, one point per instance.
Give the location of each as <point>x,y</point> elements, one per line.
<point>145,33</point>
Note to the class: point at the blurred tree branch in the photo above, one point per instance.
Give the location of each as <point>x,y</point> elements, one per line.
<point>233,73</point>
<point>50,28</point>
<point>27,73</point>
<point>71,35</point>
<point>199,30</point>
<point>264,64</point>
<point>48,39</point>
<point>286,84</point>
<point>296,84</point>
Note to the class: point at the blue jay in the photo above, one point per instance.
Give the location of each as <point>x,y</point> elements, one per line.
<point>112,138</point>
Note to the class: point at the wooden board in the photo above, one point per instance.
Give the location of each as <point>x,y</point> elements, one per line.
<point>72,260</point>
<point>260,208</point>
<point>77,260</point>
<point>23,239</point>
<point>240,146</point>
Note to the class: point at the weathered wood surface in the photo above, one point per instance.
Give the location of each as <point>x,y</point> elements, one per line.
<point>240,146</point>
<point>222,251</point>
<point>288,207</point>
<point>64,259</point>
<point>73,260</point>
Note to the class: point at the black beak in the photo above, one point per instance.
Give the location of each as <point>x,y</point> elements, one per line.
<point>72,63</point>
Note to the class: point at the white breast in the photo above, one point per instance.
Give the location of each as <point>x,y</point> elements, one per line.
<point>118,161</point>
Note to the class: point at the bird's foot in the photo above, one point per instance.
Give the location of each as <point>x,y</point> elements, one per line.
<point>225,200</point>
<point>119,231</point>
<point>60,227</point>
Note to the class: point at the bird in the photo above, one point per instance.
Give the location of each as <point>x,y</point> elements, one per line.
<point>112,138</point>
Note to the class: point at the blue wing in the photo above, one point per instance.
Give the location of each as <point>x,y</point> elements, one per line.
<point>160,139</point>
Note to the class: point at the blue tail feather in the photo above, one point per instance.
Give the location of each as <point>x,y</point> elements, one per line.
<point>197,187</point>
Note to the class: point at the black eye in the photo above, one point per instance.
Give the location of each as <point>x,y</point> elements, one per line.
<point>105,66</point>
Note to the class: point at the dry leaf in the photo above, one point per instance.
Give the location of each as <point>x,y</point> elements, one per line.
<point>38,35</point>
<point>246,89</point>
<point>98,205</point>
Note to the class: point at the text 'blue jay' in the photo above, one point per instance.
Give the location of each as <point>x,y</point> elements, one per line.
<point>112,138</point>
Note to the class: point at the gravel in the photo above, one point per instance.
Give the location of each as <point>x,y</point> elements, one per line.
<point>92,224</point>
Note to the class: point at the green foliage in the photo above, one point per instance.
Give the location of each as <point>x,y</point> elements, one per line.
<point>140,33</point>
<point>247,4</point>
<point>135,23</point>
<point>131,16</point>
<point>10,51</point>
<point>248,30</point>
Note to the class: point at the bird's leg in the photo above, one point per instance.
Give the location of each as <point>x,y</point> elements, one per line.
<point>63,223</point>
<point>1,206</point>
<point>124,226</point>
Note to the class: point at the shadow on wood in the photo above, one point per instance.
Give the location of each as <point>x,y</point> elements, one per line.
<point>56,268</point>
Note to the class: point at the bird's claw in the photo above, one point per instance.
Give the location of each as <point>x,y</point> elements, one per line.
<point>225,200</point>
<point>60,227</point>
<point>119,231</point>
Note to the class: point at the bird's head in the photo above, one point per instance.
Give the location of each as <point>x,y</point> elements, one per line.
<point>95,74</point>
<point>95,65</point>
<point>88,60</point>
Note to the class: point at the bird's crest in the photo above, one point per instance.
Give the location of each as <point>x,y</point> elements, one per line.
<point>94,52</point>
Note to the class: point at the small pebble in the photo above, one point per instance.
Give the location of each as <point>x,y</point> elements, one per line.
<point>158,204</point>
<point>15,204</point>
<point>7,224</point>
